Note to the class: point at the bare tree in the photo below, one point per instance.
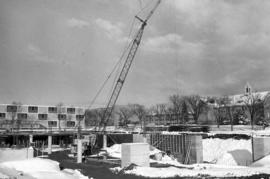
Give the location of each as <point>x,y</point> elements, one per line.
<point>93,117</point>
<point>254,104</point>
<point>159,111</point>
<point>196,105</point>
<point>220,109</point>
<point>176,102</point>
<point>13,111</point>
<point>124,113</point>
<point>140,112</point>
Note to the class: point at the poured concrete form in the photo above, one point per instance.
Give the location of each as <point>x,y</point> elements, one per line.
<point>135,153</point>
<point>260,147</point>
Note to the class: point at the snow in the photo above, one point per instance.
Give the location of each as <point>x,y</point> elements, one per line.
<point>196,170</point>
<point>115,151</point>
<point>227,151</point>
<point>230,158</point>
<point>264,162</point>
<point>42,169</point>
<point>55,148</point>
<point>3,175</point>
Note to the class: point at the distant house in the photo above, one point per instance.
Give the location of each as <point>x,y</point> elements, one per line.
<point>38,117</point>
<point>239,102</point>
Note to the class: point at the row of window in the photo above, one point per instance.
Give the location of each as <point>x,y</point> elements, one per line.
<point>54,124</point>
<point>34,109</point>
<point>42,116</point>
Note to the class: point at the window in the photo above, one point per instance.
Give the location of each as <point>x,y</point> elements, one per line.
<point>11,108</point>
<point>22,116</point>
<point>52,110</point>
<point>2,115</point>
<point>79,117</point>
<point>42,116</point>
<point>52,123</point>
<point>70,123</point>
<point>62,116</point>
<point>71,110</point>
<point>32,109</point>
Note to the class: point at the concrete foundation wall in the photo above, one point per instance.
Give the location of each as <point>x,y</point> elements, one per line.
<point>8,154</point>
<point>135,153</point>
<point>196,148</point>
<point>261,147</point>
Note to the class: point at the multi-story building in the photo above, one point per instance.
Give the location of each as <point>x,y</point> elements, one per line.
<point>36,117</point>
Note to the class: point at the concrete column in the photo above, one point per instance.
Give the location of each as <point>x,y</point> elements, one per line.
<point>79,151</point>
<point>144,139</point>
<point>31,138</point>
<point>30,152</point>
<point>104,142</point>
<point>49,144</point>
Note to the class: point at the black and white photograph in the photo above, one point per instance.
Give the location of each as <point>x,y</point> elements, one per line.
<point>134,89</point>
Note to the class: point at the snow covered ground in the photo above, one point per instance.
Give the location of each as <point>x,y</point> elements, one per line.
<point>42,169</point>
<point>228,158</point>
<point>196,170</point>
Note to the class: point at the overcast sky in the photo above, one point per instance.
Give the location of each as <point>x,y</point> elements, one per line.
<point>62,51</point>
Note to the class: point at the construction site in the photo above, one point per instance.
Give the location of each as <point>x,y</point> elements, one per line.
<point>196,137</point>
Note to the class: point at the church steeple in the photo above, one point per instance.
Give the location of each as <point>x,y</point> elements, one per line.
<point>248,89</point>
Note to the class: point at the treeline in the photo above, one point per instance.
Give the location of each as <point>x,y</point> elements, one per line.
<point>188,109</point>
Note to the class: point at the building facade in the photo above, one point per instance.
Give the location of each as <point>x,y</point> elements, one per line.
<point>14,116</point>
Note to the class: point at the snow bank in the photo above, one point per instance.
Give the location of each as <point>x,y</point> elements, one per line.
<point>227,151</point>
<point>196,170</point>
<point>42,169</point>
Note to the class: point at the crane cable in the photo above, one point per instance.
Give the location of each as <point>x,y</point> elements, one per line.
<point>118,70</point>
<point>119,61</point>
<point>114,68</point>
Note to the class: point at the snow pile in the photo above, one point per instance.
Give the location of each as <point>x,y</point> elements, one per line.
<point>42,169</point>
<point>227,159</point>
<point>227,151</point>
<point>115,151</point>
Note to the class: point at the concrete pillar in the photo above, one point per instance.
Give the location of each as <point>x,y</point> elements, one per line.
<point>49,144</point>
<point>30,152</point>
<point>144,139</point>
<point>79,151</point>
<point>135,153</point>
<point>31,138</point>
<point>104,142</point>
<point>260,147</point>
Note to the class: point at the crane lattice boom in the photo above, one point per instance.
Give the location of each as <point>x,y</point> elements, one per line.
<point>121,79</point>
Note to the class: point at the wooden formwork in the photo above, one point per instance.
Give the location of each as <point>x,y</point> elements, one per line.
<point>186,148</point>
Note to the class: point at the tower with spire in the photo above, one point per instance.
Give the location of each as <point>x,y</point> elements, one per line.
<point>248,89</point>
